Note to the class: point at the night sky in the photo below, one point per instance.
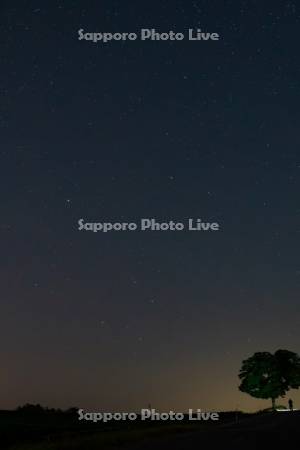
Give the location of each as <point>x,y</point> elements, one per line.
<point>127,130</point>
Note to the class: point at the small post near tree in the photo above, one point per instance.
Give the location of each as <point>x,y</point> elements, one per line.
<point>269,376</point>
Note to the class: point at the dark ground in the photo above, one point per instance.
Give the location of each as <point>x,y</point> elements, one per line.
<point>253,432</point>
<point>64,432</point>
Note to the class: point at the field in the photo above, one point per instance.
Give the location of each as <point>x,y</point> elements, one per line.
<point>61,431</point>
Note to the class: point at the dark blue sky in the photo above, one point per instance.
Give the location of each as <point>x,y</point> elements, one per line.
<point>125,130</point>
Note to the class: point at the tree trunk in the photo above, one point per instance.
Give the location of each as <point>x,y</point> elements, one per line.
<point>273,404</point>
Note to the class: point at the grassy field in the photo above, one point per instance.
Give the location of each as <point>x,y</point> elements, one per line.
<point>60,431</point>
<point>49,431</point>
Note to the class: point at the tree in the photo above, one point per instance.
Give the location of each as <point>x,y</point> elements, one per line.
<point>266,375</point>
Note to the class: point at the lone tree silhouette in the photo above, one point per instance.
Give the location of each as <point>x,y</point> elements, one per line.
<point>266,375</point>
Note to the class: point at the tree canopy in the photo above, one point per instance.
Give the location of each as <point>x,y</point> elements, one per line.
<point>266,375</point>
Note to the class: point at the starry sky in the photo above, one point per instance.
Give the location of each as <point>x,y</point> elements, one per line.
<point>128,130</point>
